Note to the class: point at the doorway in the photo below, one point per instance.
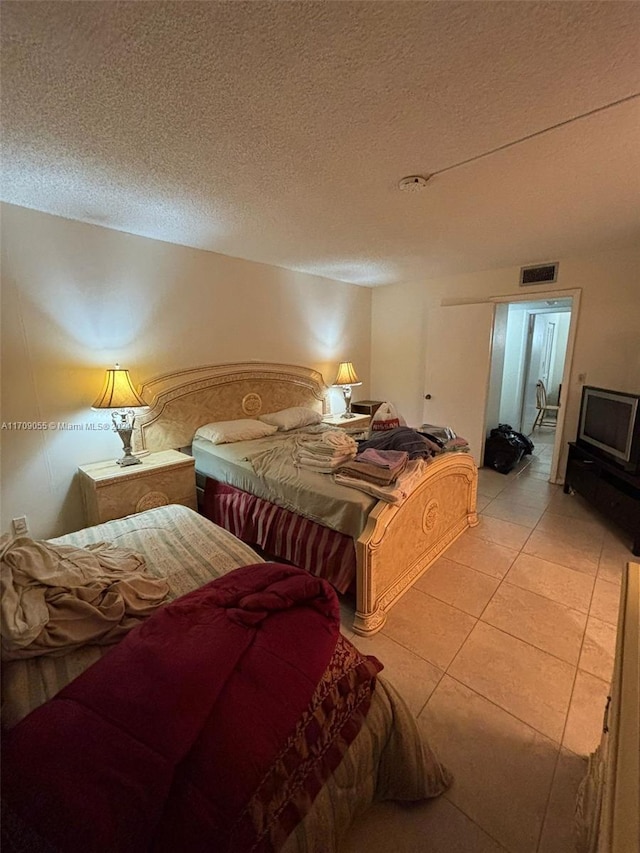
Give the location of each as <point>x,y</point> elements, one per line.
<point>533,347</point>
<point>536,337</point>
<point>474,371</point>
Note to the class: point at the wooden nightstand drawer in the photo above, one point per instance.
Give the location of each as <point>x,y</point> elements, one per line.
<point>110,491</point>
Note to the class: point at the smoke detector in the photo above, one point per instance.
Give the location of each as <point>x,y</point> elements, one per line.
<point>413,183</point>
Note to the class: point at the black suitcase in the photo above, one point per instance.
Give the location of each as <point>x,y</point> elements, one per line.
<point>505,448</point>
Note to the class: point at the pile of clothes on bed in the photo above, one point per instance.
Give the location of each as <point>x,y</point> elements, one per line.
<point>445,438</point>
<point>390,463</point>
<point>324,451</point>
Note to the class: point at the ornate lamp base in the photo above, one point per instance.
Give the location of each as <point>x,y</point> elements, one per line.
<point>123,423</point>
<point>346,390</point>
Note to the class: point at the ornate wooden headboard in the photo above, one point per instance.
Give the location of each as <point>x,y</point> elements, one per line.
<point>183,401</point>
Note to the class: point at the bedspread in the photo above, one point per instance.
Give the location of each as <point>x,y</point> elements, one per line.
<point>212,726</point>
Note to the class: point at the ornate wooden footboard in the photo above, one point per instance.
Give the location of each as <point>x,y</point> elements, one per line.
<point>400,542</point>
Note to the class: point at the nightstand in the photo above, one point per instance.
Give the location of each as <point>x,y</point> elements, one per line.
<point>355,424</point>
<point>110,491</point>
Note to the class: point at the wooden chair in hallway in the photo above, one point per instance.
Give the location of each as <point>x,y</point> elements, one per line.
<point>542,419</point>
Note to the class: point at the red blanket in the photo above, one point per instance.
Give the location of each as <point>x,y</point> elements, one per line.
<point>212,726</point>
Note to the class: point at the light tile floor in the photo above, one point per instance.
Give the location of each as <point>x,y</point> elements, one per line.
<point>504,651</point>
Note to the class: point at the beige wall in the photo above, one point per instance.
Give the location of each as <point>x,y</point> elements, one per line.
<point>76,298</point>
<point>607,345</point>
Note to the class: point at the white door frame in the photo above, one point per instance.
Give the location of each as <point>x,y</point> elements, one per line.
<point>541,295</point>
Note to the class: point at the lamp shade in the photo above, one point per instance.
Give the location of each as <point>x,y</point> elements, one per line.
<point>118,392</point>
<point>347,374</point>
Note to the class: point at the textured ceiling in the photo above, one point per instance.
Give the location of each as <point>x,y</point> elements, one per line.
<point>278,131</point>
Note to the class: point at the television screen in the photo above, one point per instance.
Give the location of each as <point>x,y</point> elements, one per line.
<point>607,421</point>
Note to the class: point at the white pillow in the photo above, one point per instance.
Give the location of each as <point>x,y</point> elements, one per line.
<point>297,416</point>
<point>226,432</point>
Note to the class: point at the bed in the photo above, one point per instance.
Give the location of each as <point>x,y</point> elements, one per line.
<point>394,543</point>
<point>161,726</point>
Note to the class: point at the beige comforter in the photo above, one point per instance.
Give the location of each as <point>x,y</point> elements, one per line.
<point>56,598</point>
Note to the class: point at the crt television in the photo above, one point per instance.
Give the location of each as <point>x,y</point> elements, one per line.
<point>609,426</point>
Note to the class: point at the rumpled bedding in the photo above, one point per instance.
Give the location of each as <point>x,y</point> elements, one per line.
<point>402,438</point>
<point>211,726</point>
<point>56,598</point>
<point>266,468</point>
<point>321,451</point>
<point>440,434</point>
<point>445,438</point>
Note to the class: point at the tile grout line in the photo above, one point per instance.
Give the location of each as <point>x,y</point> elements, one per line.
<point>555,774</point>
<point>564,728</point>
<point>475,823</point>
<point>478,619</point>
<point>573,686</point>
<point>504,710</point>
<point>548,800</point>
<point>545,810</point>
<point>576,670</point>
<point>566,718</point>
<point>528,642</point>
<point>504,580</point>
<point>557,744</point>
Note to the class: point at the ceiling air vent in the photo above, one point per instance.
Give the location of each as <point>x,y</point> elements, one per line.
<point>546,274</point>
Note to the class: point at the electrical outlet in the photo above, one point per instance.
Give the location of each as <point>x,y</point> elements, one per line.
<point>20,526</point>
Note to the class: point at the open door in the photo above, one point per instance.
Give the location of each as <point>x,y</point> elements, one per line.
<point>458,363</point>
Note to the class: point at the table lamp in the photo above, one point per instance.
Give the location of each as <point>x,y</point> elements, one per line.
<point>119,394</point>
<point>346,379</point>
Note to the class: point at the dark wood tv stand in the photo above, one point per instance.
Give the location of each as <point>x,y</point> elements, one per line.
<point>613,491</point>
